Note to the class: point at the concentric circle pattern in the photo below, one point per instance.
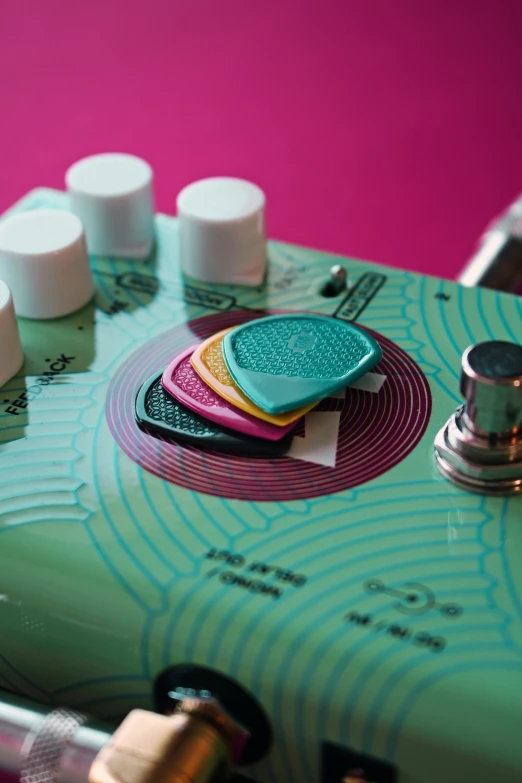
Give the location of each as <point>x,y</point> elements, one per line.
<point>377,430</point>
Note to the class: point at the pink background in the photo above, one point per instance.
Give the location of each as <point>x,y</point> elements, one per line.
<point>386,129</point>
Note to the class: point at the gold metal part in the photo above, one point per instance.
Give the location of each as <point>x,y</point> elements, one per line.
<point>211,711</point>
<point>197,744</point>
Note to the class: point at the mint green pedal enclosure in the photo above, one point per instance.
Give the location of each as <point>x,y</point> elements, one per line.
<point>361,598</point>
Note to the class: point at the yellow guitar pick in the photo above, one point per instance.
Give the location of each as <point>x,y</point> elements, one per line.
<point>208,362</point>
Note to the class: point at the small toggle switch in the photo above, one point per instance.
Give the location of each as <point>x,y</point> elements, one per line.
<point>336,283</point>
<point>480,447</point>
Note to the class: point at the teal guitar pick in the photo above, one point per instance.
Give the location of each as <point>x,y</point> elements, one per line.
<point>286,361</point>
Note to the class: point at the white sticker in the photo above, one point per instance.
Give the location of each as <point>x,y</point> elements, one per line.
<point>319,444</point>
<point>371,382</point>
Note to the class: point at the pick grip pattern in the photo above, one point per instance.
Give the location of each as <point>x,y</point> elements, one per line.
<point>283,362</point>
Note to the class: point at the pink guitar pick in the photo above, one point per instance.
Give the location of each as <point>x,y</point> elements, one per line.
<point>184,384</point>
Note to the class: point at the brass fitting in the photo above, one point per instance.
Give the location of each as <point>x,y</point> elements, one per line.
<point>199,743</point>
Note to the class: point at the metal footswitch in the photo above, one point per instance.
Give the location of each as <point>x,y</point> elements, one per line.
<point>480,447</point>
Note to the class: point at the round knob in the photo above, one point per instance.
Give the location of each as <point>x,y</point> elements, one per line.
<point>222,231</point>
<point>491,383</point>
<point>11,354</point>
<point>112,196</point>
<point>44,261</point>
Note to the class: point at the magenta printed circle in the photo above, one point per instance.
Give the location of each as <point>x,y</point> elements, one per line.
<point>377,430</point>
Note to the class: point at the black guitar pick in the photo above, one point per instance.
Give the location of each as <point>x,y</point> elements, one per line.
<point>160,414</point>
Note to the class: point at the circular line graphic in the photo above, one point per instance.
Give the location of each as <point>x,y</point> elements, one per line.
<point>376,430</point>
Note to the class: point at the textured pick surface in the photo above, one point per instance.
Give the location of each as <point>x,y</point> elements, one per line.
<point>183,383</point>
<point>286,361</point>
<point>209,363</point>
<point>161,414</point>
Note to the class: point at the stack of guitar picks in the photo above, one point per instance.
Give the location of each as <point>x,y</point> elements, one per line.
<point>243,390</point>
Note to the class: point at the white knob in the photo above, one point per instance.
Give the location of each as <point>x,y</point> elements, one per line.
<point>112,195</point>
<point>11,354</point>
<point>44,261</point>
<point>222,231</point>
